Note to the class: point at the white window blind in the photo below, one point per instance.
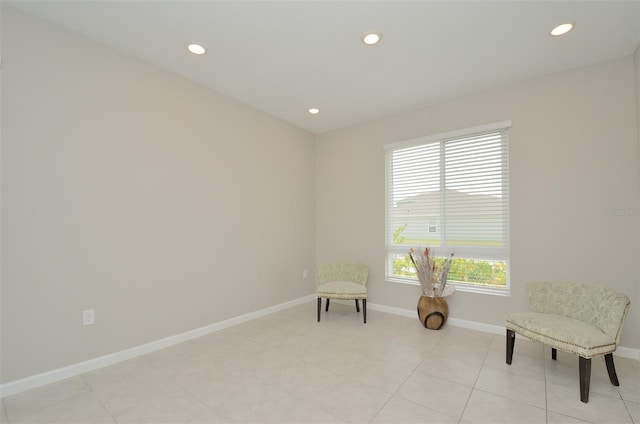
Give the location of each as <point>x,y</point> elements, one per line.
<point>451,192</point>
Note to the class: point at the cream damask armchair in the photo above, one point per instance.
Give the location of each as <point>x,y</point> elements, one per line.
<point>343,280</point>
<point>576,318</point>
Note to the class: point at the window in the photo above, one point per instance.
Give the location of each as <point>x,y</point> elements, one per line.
<point>432,226</point>
<point>450,192</point>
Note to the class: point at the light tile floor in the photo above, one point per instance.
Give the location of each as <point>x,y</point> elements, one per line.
<point>288,368</point>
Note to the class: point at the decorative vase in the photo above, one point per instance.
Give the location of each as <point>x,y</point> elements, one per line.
<point>433,311</point>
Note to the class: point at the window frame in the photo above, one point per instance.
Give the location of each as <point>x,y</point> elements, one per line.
<point>462,251</point>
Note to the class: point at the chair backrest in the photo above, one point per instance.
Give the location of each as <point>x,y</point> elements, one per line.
<point>599,306</point>
<point>342,271</point>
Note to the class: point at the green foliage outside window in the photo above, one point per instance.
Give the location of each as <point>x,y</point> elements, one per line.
<point>472,271</point>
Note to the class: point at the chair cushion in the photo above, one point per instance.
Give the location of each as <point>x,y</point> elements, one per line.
<point>564,333</point>
<point>342,290</point>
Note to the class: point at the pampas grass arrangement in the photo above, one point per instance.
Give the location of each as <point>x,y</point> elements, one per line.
<point>432,273</point>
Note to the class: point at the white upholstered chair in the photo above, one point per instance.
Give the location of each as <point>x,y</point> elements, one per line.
<point>342,280</point>
<point>576,318</point>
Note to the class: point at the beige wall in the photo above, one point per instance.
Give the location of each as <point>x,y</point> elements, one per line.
<point>161,204</point>
<point>637,69</point>
<point>573,155</point>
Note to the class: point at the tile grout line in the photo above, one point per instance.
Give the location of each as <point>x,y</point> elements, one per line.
<point>98,398</point>
<point>466,404</point>
<point>398,389</point>
<point>546,391</point>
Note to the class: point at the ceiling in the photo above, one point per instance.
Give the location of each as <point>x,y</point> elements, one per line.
<point>283,57</point>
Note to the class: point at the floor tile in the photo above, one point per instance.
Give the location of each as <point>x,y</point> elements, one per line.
<point>310,349</point>
<point>466,336</point>
<point>451,369</point>
<point>214,388</point>
<point>435,393</point>
<point>489,408</point>
<point>201,359</point>
<point>628,372</point>
<point>258,403</point>
<point>399,410</point>
<point>336,356</point>
<point>140,387</point>
<point>381,374</point>
<point>523,365</point>
<point>277,334</point>
<point>20,404</point>
<point>85,408</point>
<point>307,412</point>
<point>512,386</point>
<point>417,336</point>
<point>464,351</point>
<point>350,400</point>
<point>303,381</point>
<point>168,407</point>
<point>555,418</point>
<point>399,354</point>
<point>634,411</point>
<point>3,413</point>
<point>599,409</point>
<point>628,394</point>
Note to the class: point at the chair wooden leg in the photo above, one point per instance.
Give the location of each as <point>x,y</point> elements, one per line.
<point>511,341</point>
<point>357,306</point>
<point>364,310</point>
<point>554,353</point>
<point>585,378</point>
<point>611,369</point>
<point>327,307</point>
<point>319,307</point>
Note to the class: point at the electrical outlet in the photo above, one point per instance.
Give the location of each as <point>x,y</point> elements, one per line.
<point>305,274</point>
<point>89,317</point>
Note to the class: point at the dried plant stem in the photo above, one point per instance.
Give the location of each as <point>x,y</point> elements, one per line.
<point>433,278</point>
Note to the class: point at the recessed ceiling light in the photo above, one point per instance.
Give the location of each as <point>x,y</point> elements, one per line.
<point>196,49</point>
<point>314,110</point>
<point>561,29</point>
<point>372,37</point>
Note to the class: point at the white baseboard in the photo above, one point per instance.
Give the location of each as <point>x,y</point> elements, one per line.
<point>628,352</point>
<point>52,376</point>
<point>621,351</point>
<point>472,325</point>
<point>17,386</point>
